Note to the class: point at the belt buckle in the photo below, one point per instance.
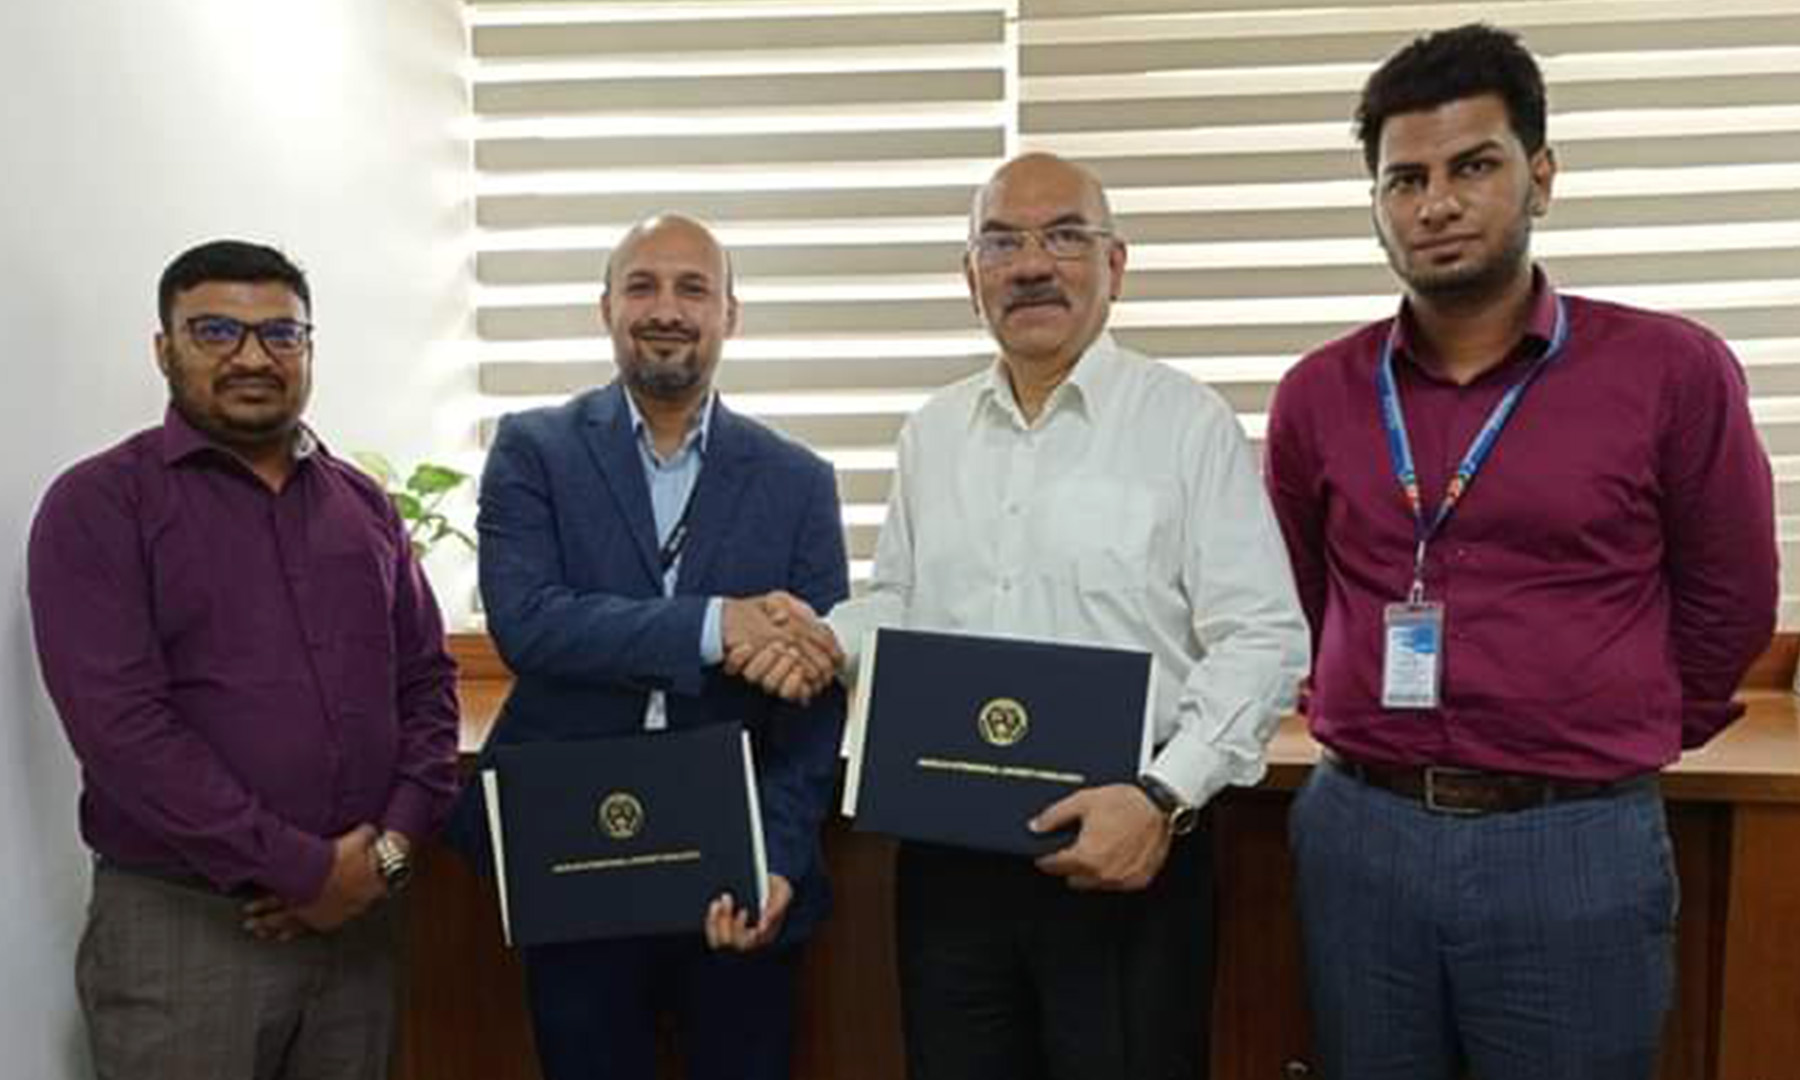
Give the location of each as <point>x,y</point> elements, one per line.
<point>1432,772</point>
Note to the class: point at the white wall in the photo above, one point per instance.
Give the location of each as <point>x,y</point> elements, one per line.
<point>132,129</point>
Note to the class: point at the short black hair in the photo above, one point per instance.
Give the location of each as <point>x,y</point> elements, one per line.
<point>227,260</point>
<point>1449,65</point>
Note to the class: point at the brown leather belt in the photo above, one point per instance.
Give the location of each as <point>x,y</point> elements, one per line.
<point>1469,791</point>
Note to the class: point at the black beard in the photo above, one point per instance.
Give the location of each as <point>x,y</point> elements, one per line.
<point>666,371</point>
<point>1478,284</point>
<point>219,427</point>
<point>663,383</point>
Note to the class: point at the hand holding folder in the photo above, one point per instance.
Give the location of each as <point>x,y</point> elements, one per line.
<point>738,929</point>
<point>1122,842</point>
<point>965,739</point>
<point>629,836</point>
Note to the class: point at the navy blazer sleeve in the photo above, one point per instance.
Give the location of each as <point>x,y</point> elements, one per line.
<point>796,751</point>
<point>541,625</point>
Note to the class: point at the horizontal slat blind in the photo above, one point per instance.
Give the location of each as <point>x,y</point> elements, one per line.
<point>834,146</point>
<point>1222,129</point>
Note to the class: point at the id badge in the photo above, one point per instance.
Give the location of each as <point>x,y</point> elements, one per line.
<point>1413,661</point>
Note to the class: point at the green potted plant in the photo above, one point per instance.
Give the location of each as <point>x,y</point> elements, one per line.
<point>418,499</point>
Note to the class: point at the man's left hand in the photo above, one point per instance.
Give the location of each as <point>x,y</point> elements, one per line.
<point>728,926</point>
<point>1122,842</point>
<point>269,918</point>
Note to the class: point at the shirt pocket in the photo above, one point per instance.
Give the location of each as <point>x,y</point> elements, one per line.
<point>356,591</point>
<point>1103,531</point>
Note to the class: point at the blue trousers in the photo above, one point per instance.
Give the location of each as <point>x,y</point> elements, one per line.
<point>594,1008</point>
<point>1535,945</point>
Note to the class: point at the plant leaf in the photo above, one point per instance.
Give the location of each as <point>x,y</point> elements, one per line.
<point>408,505</point>
<point>376,465</point>
<point>429,479</point>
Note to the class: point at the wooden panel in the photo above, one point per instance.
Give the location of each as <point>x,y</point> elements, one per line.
<point>1702,834</point>
<point>1259,1015</point>
<point>464,995</point>
<point>849,1024</point>
<point>1759,1008</point>
<point>1733,815</point>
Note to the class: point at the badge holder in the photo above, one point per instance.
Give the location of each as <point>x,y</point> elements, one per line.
<point>1412,665</point>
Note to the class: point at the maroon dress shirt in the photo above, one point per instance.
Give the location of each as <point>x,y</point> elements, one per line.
<point>244,675</point>
<point>1607,577</point>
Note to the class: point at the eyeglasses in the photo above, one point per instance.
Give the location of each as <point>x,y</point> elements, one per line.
<point>1058,242</point>
<point>223,336</point>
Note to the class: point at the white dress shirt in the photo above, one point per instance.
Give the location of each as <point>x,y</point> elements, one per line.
<point>1131,513</point>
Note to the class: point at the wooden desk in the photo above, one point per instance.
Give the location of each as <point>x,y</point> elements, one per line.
<point>1734,811</point>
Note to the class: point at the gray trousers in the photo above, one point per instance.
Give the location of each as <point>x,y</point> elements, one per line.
<point>1536,945</point>
<point>173,988</point>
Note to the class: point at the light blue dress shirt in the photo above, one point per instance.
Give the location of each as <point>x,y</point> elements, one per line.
<point>671,481</point>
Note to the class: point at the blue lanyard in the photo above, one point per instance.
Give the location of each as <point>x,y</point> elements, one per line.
<point>1400,449</point>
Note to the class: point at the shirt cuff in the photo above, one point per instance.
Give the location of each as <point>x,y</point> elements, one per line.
<point>408,811</point>
<point>712,634</point>
<point>1194,770</point>
<point>852,621</point>
<point>299,864</point>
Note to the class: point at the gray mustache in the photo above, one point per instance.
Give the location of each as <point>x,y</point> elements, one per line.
<point>1040,295</point>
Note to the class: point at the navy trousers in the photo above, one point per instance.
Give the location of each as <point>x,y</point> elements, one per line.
<point>1535,945</point>
<point>594,1008</point>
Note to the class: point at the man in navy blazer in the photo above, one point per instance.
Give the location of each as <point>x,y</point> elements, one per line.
<point>630,538</point>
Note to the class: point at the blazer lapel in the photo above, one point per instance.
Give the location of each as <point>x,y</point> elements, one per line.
<point>716,495</point>
<point>606,428</point>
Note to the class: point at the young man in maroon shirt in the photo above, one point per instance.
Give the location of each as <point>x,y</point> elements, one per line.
<point>251,669</point>
<point>1534,537</point>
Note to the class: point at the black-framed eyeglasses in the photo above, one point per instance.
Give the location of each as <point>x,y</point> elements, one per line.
<point>1057,241</point>
<point>223,336</point>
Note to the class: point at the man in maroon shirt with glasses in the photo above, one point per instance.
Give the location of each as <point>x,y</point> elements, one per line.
<point>251,670</point>
<point>1534,537</point>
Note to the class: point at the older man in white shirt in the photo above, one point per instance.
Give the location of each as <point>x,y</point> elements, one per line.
<point>1077,491</point>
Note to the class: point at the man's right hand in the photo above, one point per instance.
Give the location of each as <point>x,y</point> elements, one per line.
<point>353,885</point>
<point>778,642</point>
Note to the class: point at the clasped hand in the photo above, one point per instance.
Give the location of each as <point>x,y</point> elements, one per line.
<point>353,886</point>
<point>777,642</point>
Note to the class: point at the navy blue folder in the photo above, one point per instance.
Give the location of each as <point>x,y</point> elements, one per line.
<point>624,836</point>
<point>961,739</point>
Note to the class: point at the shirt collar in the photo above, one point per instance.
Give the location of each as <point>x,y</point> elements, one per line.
<point>699,427</point>
<point>1540,326</point>
<point>182,440</point>
<point>1081,390</point>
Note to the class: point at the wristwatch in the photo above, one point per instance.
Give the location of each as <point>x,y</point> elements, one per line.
<point>392,863</point>
<point>1182,815</point>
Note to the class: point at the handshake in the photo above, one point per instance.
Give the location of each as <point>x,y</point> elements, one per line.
<point>777,642</point>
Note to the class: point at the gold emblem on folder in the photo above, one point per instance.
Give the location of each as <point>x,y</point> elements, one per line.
<point>1003,722</point>
<point>621,815</point>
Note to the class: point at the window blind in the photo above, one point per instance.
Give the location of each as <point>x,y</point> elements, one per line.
<point>835,147</point>
<point>1222,131</point>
